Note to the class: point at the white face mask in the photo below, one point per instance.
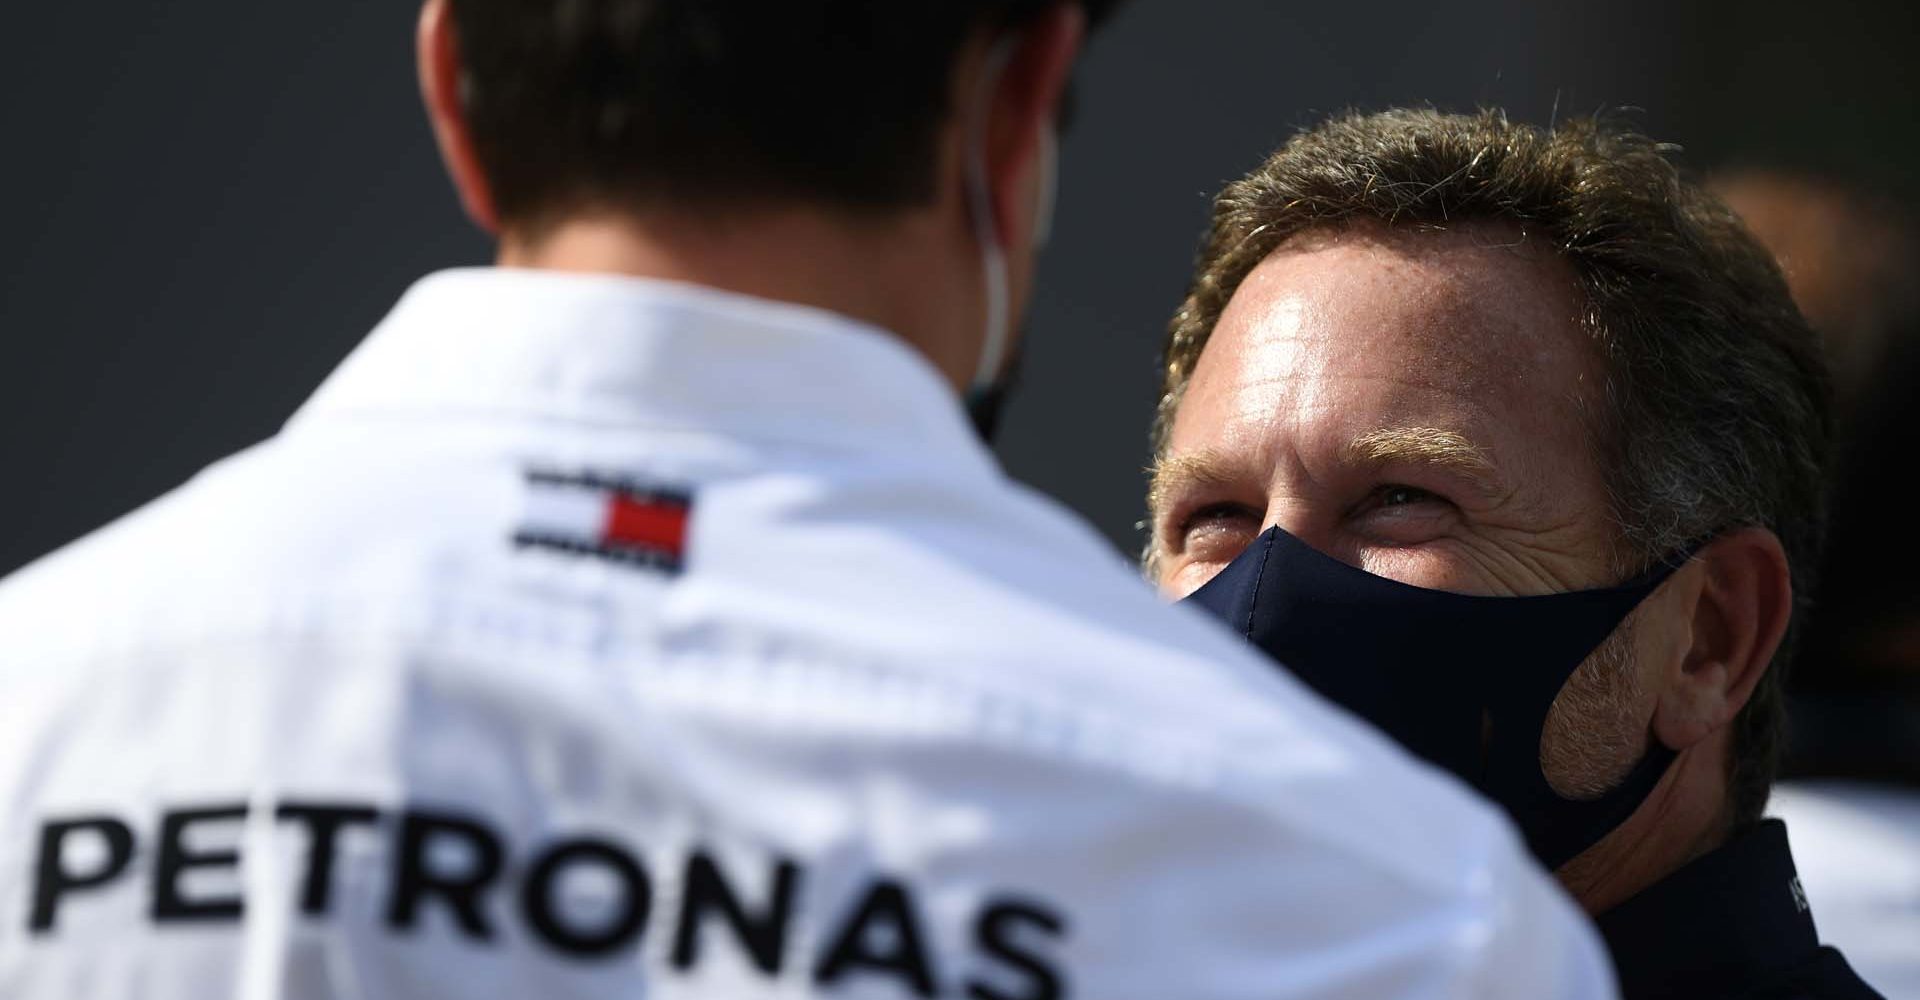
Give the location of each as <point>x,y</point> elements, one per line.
<point>986,384</point>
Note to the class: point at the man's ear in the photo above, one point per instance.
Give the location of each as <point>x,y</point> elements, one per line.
<point>438,52</point>
<point>1025,102</point>
<point>1736,598</point>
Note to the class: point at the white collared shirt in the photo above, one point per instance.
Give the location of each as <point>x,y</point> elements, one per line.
<point>595,637</point>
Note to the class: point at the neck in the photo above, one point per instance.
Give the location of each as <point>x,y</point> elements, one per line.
<point>882,271</point>
<point>1683,819</point>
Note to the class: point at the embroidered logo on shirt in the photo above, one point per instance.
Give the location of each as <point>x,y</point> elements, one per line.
<point>609,517</point>
<point>1799,894</point>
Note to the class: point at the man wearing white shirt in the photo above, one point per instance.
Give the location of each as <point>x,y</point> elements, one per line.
<point>644,616</point>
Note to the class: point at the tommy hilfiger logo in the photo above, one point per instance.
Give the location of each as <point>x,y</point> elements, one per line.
<point>610,517</point>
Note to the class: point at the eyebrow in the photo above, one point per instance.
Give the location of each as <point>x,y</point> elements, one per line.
<point>1434,446</point>
<point>1183,473</point>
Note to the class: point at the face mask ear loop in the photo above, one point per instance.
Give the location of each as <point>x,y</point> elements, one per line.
<point>993,256</point>
<point>1049,188</point>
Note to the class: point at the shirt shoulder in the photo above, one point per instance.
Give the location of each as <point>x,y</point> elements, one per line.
<point>1857,848</point>
<point>1827,976</point>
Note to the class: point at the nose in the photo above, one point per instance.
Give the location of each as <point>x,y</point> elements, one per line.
<point>1313,522</point>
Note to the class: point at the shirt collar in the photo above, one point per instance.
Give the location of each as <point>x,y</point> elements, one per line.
<point>1735,916</point>
<point>613,350</point>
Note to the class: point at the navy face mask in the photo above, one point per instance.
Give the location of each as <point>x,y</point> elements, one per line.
<point>1464,682</point>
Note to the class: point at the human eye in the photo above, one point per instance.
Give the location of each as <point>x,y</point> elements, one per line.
<point>1396,495</point>
<point>1217,531</point>
<point>1400,514</point>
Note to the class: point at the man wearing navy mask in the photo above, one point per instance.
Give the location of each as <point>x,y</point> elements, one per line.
<point>1512,442</point>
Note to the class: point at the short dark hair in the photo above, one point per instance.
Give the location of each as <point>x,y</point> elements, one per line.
<point>621,104</point>
<point>1715,410</point>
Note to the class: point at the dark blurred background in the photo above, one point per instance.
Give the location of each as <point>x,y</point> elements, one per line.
<point>208,204</point>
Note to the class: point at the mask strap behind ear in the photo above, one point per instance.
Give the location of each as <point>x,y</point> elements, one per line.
<point>993,352</point>
<point>1049,188</point>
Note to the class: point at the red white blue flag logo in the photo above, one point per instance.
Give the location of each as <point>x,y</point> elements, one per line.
<point>610,517</point>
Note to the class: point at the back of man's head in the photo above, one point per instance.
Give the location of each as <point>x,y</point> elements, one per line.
<point>627,104</point>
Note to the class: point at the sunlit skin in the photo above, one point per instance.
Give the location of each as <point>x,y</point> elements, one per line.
<point>1419,405</point>
<point>1395,406</point>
